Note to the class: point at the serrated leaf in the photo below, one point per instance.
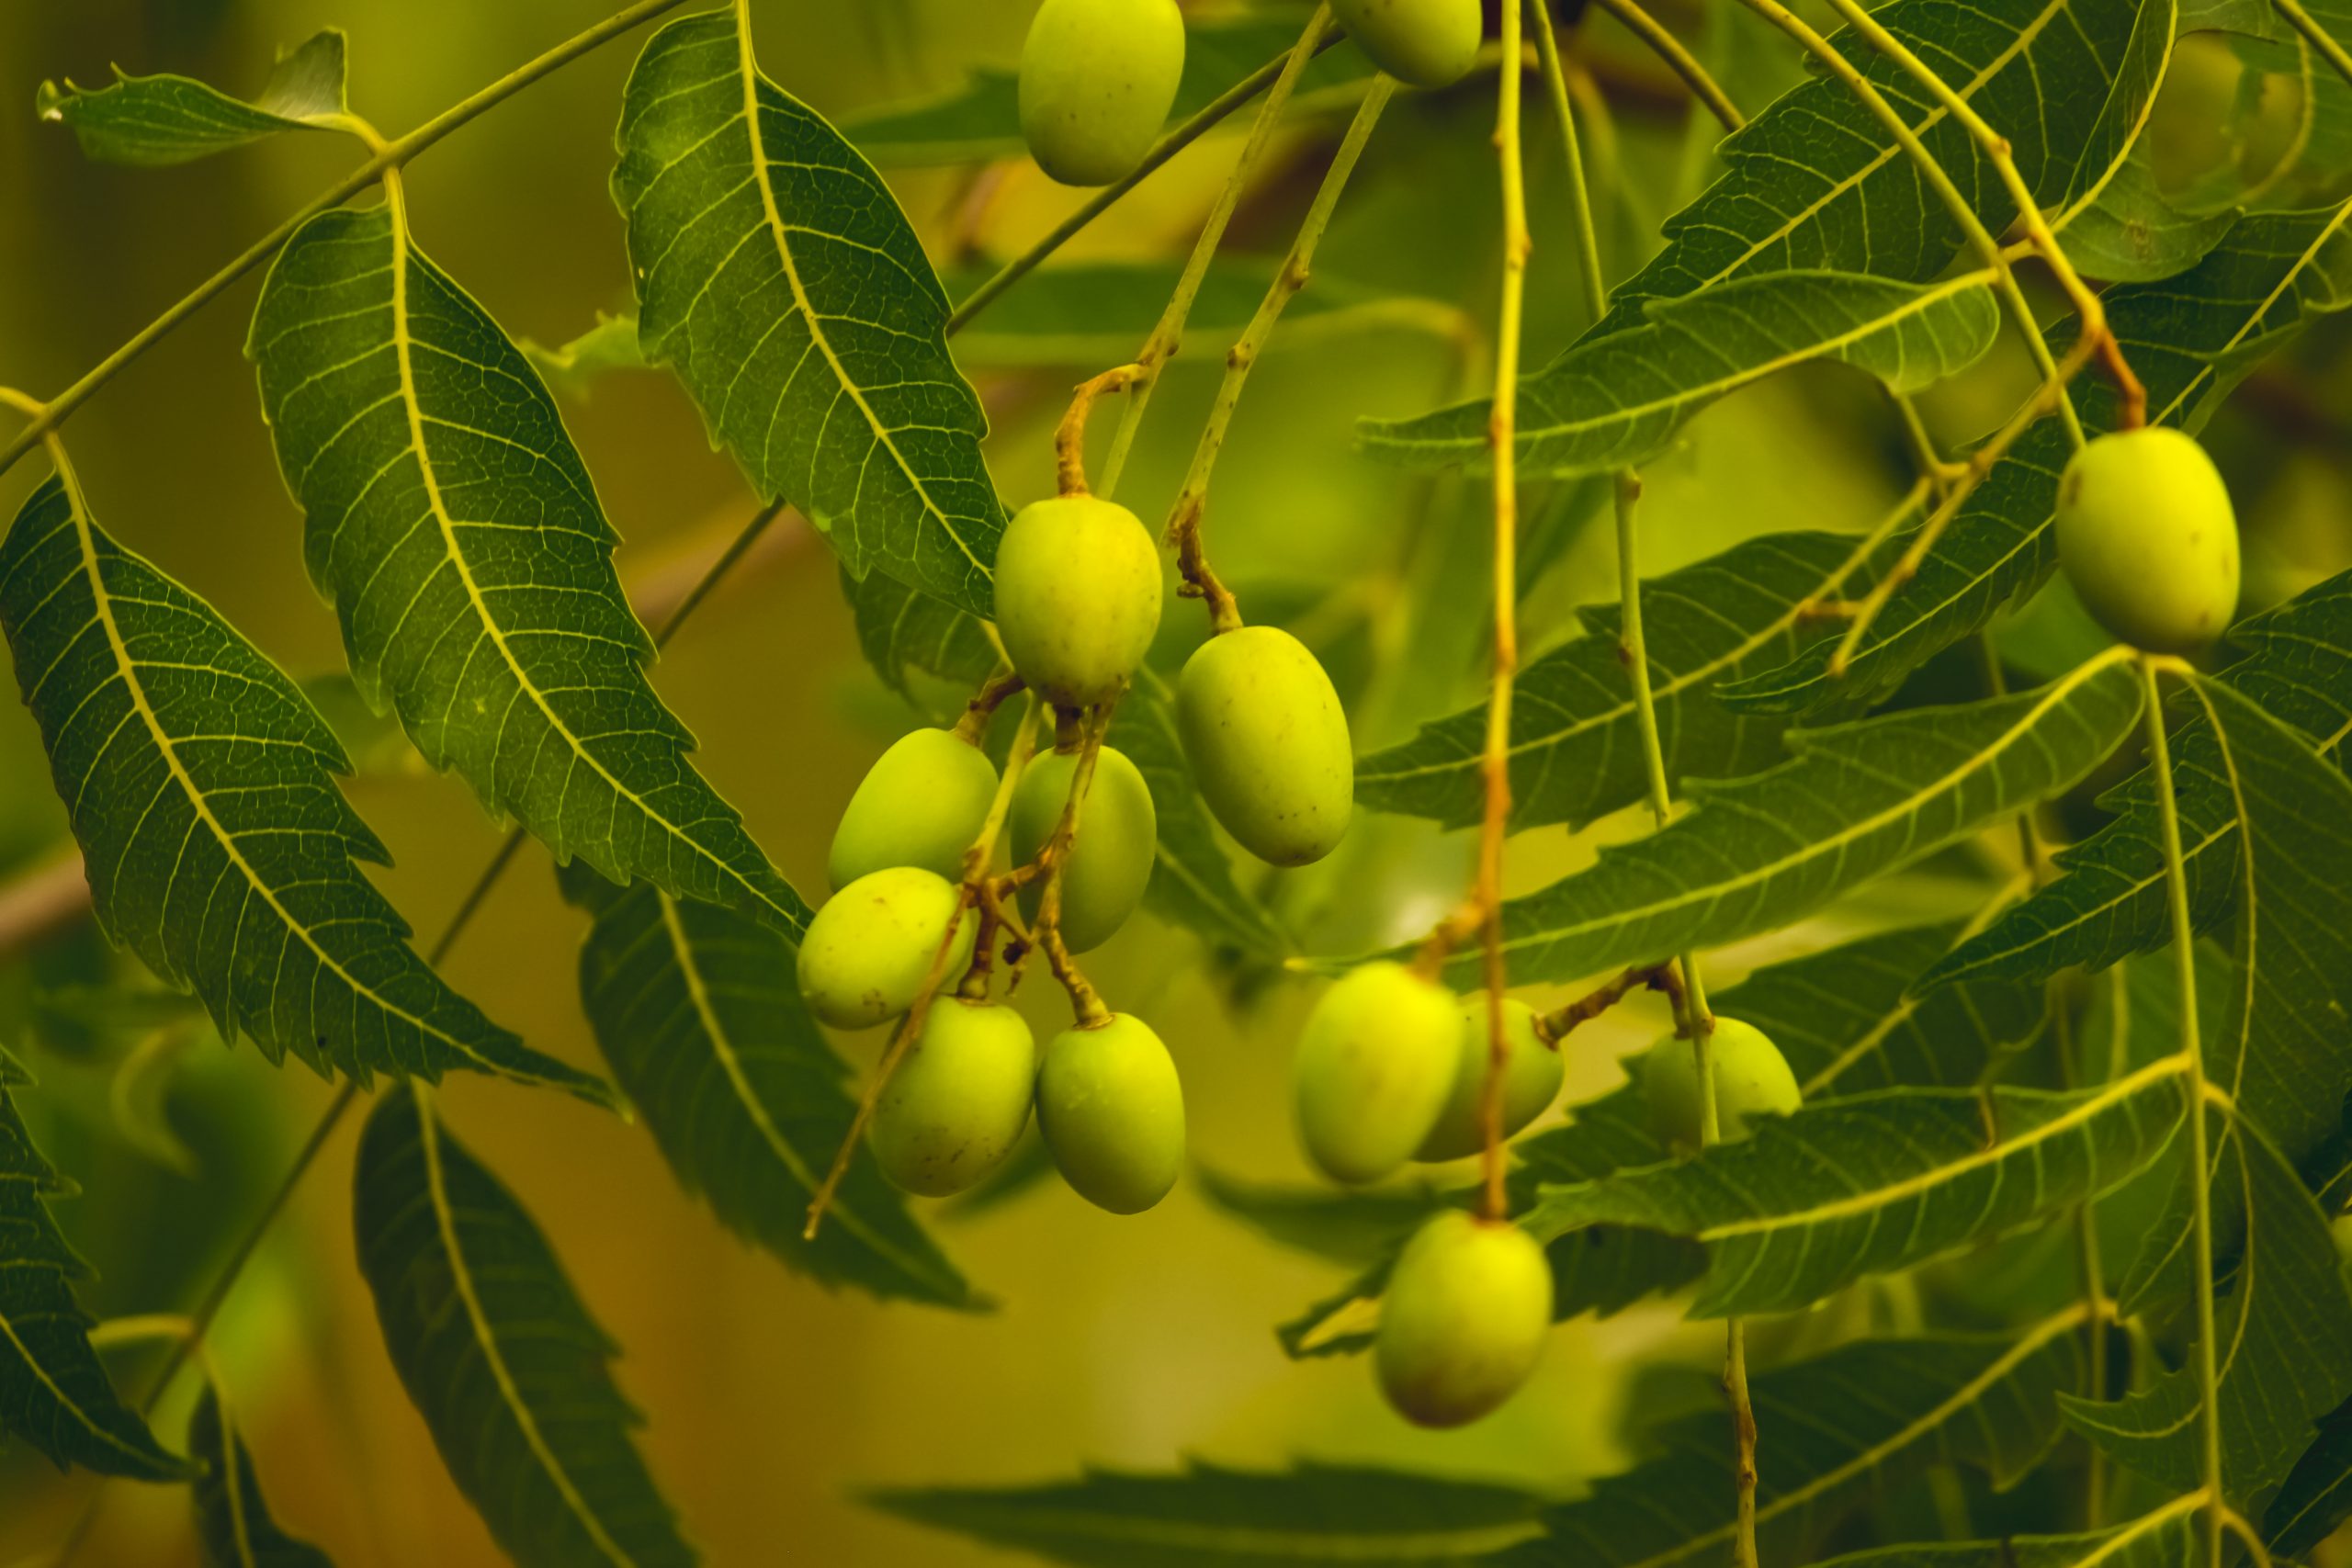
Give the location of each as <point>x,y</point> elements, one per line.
<point>453,526</point>
<point>776,275</point>
<point>696,1014</point>
<point>53,1393</point>
<point>498,1354</point>
<point>1616,399</point>
<point>925,650</point>
<point>2134,234</point>
<point>2317,1494</point>
<point>164,120</point>
<point>233,1526</point>
<point>1843,1426</point>
<point>1192,875</point>
<point>2166,1536</point>
<point>1211,1517</point>
<point>200,786</point>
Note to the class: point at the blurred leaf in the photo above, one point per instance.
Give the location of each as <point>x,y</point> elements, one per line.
<point>139,1094</point>
<point>452,522</point>
<point>573,367</point>
<point>1211,1518</point>
<point>2317,1496</point>
<point>53,1393</point>
<point>1352,1227</point>
<point>498,1354</point>
<point>233,1526</point>
<point>2167,1537</point>
<point>1616,400</point>
<point>218,850</point>
<point>157,121</point>
<point>1192,875</point>
<point>776,275</point>
<point>925,650</point>
<point>2131,234</point>
<point>697,1012</point>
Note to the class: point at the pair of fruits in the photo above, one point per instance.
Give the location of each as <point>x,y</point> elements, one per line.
<point>2149,540</point>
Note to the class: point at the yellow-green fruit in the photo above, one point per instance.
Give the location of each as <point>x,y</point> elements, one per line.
<point>1375,1065</point>
<point>1752,1079</point>
<point>869,948</point>
<point>1531,1075</point>
<point>1118,833</point>
<point>1268,742</point>
<point>920,804</point>
<point>957,1105</point>
<point>1427,43</point>
<point>1097,80</point>
<point>1463,1321</point>
<point>1076,596</point>
<point>2148,538</point>
<point>1112,1113</point>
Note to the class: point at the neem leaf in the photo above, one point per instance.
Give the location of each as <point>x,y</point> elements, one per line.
<point>233,1526</point>
<point>167,119</point>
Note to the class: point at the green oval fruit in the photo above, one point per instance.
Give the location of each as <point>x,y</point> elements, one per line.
<point>1118,833</point>
<point>1531,1075</point>
<point>1268,742</point>
<point>1076,596</point>
<point>957,1105</point>
<point>1752,1079</point>
<point>1426,43</point>
<point>1463,1321</point>
<point>869,948</point>
<point>2148,538</point>
<point>1098,78</point>
<point>922,804</point>
<point>1375,1065</point>
<point>1112,1113</point>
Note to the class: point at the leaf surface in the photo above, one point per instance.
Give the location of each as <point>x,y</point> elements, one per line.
<point>164,120</point>
<point>233,1526</point>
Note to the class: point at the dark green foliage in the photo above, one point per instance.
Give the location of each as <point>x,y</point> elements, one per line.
<point>232,1519</point>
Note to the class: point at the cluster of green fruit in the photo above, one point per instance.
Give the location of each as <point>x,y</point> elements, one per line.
<point>1098,77</point>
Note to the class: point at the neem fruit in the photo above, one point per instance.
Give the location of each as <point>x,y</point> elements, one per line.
<point>1098,78</point>
<point>1268,743</point>
<point>1112,1113</point>
<point>867,953</point>
<point>1463,1321</point>
<point>1532,1076</point>
<point>958,1103</point>
<point>1375,1065</point>
<point>1118,834</point>
<point>922,804</point>
<point>1752,1079</point>
<point>2148,538</point>
<point>1076,596</point>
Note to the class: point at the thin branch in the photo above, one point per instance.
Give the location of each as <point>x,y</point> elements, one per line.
<point>1679,60</point>
<point>2319,38</point>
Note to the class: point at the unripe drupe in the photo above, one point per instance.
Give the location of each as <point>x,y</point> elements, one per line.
<point>1076,596</point>
<point>1463,1321</point>
<point>1376,1062</point>
<point>1424,43</point>
<point>957,1105</point>
<point>867,953</point>
<point>2148,538</point>
<point>1752,1079</point>
<point>1112,1113</point>
<point>1097,80</point>
<point>1118,834</point>
<point>922,804</point>
<point>1531,1075</point>
<point>1268,742</point>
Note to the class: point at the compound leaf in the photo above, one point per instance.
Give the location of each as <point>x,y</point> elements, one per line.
<point>157,121</point>
<point>925,650</point>
<point>234,1524</point>
<point>2317,1494</point>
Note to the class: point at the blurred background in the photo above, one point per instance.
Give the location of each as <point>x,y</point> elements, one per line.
<point>1132,1343</point>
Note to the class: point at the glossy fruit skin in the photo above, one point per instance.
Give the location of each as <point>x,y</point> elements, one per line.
<point>1423,44</point>
<point>1112,1109</point>
<point>1532,1076</point>
<point>1463,1321</point>
<point>958,1103</point>
<point>1076,596</point>
<point>1268,743</point>
<point>867,953</point>
<point>1375,1065</point>
<point>1752,1079</point>
<point>1118,834</point>
<point>922,804</point>
<point>2148,538</point>
<point>1098,78</point>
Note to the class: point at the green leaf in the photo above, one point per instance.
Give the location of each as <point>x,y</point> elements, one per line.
<point>1616,399</point>
<point>925,650</point>
<point>1575,744</point>
<point>696,1014</point>
<point>1854,801</point>
<point>233,1526</point>
<point>574,368</point>
<point>1192,876</point>
<point>200,786</point>
<point>1352,1227</point>
<point>2168,1537</point>
<point>776,275</point>
<point>2132,235</point>
<point>452,522</point>
<point>53,1393</point>
<point>157,121</point>
<point>1844,1427</point>
<point>2317,1495</point>
<point>498,1354</point>
<point>1211,1518</point>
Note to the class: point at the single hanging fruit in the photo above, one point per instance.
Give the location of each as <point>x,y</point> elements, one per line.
<point>922,804</point>
<point>868,950</point>
<point>1112,1109</point>
<point>1098,78</point>
<point>1752,1079</point>
<point>958,1103</point>
<point>1463,1321</point>
<point>1076,596</point>
<point>1375,1065</point>
<point>2148,538</point>
<point>1531,1075</point>
<point>1118,833</point>
<point>1268,742</point>
<point>1424,43</point>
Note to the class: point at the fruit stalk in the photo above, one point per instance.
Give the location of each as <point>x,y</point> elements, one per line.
<point>1679,60</point>
<point>1051,863</point>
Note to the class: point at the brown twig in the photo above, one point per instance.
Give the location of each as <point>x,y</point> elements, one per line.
<point>973,727</point>
<point>1554,1026</point>
<point>1070,437</point>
